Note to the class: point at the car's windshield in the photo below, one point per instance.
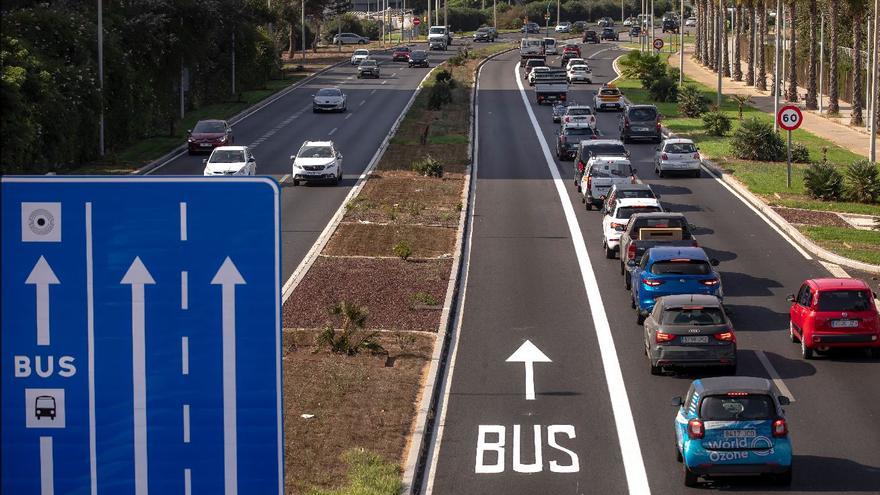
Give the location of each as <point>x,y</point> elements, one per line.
<point>680,148</point>
<point>737,408</point>
<point>624,212</point>
<point>361,52</point>
<point>227,156</point>
<point>611,169</point>
<point>401,49</point>
<point>681,267</point>
<point>607,150</point>
<point>580,111</point>
<point>579,68</point>
<point>483,30</point>
<point>209,127</point>
<point>315,152</point>
<point>642,114</point>
<point>419,53</point>
<point>368,63</point>
<point>844,300</point>
<point>692,315</point>
<point>329,92</point>
<point>438,30</point>
<point>577,131</point>
<point>609,92</point>
<point>549,41</point>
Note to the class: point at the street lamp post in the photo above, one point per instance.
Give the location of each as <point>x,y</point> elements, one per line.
<point>874,69</point>
<point>821,59</point>
<point>681,46</point>
<point>719,35</point>
<point>101,77</point>
<point>776,65</point>
<point>303,27</point>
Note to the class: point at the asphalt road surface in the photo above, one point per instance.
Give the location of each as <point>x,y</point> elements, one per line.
<point>599,421</point>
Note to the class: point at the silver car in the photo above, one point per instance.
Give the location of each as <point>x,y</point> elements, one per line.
<point>329,100</point>
<point>349,39</point>
<point>689,330</point>
<point>677,155</point>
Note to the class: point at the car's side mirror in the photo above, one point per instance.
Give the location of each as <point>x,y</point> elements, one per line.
<point>292,157</point>
<point>228,131</point>
<point>339,155</point>
<point>676,401</point>
<point>789,298</point>
<point>714,262</point>
<point>783,400</point>
<point>631,263</point>
<point>189,131</point>
<point>204,161</point>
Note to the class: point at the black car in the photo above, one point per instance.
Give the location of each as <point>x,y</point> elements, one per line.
<point>579,25</point>
<point>640,122</point>
<point>609,34</point>
<point>486,34</point>
<point>566,56</point>
<point>597,147</point>
<point>635,32</point>
<point>670,26</point>
<point>591,36</point>
<point>418,58</point>
<point>569,137</point>
<point>531,28</point>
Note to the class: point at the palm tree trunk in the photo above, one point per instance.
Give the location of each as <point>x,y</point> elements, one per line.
<point>792,52</point>
<point>834,11</point>
<point>858,93</point>
<point>706,38</point>
<point>725,42</point>
<point>737,37</point>
<point>750,54</point>
<point>812,61</point>
<point>710,35</point>
<point>761,78</point>
<point>698,38</point>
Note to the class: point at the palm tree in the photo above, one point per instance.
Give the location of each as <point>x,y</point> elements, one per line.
<point>857,9</point>
<point>741,101</point>
<point>737,35</point>
<point>351,318</point>
<point>710,32</point>
<point>750,54</point>
<point>792,52</point>
<point>723,39</point>
<point>761,77</point>
<point>698,34</point>
<point>812,6</point>
<point>833,27</point>
<point>706,37</point>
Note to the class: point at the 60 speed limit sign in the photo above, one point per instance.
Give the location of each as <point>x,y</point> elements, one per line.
<point>789,117</point>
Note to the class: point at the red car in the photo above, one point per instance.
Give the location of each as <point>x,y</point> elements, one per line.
<point>401,54</point>
<point>207,135</point>
<point>572,49</point>
<point>834,312</point>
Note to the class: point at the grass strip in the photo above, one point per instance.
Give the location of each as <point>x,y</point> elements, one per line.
<point>368,474</point>
<point>861,245</point>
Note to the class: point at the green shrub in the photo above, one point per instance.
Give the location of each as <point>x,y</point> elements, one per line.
<point>691,102</point>
<point>862,182</point>
<point>660,80</point>
<point>444,76</point>
<point>350,340</point>
<point>441,94</point>
<point>425,299</point>
<point>799,153</point>
<point>823,181</point>
<point>428,166</point>
<point>402,250</point>
<point>756,140</point>
<point>717,123</point>
<point>664,86</point>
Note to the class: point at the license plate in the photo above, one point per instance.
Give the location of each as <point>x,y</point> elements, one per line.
<point>695,339</point>
<point>739,433</point>
<point>205,145</point>
<point>640,129</point>
<point>844,323</point>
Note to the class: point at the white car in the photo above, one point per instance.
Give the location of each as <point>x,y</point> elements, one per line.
<point>576,61</point>
<point>329,100</point>
<point>579,114</point>
<point>563,27</point>
<point>579,73</point>
<point>677,155</point>
<point>614,222</point>
<point>691,21</point>
<point>540,68</point>
<point>600,174</point>
<point>359,56</point>
<point>608,96</point>
<point>317,161</point>
<point>629,21</point>
<point>549,46</point>
<point>230,160</point>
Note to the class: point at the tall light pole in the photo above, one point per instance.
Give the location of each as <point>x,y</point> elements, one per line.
<point>874,70</point>
<point>776,65</point>
<point>821,58</point>
<point>494,15</point>
<point>681,46</point>
<point>101,76</point>
<point>303,27</point>
<point>719,34</point>
<point>558,20</point>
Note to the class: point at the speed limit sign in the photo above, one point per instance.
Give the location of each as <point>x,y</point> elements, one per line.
<point>789,117</point>
<point>658,44</point>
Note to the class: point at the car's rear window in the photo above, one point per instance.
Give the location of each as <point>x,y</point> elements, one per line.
<point>680,148</point>
<point>580,111</point>
<point>609,92</point>
<point>635,193</point>
<point>536,63</point>
<point>612,169</point>
<point>661,223</point>
<point>624,212</point>
<point>209,127</point>
<point>844,300</point>
<point>683,267</point>
<point>577,131</point>
<point>737,408</point>
<point>607,150</point>
<point>641,114</point>
<point>692,315</point>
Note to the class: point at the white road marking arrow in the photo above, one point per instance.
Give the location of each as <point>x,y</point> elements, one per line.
<point>228,277</point>
<point>137,276</point>
<point>42,276</point>
<point>529,354</point>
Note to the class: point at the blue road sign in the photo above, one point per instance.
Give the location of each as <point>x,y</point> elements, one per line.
<point>141,335</point>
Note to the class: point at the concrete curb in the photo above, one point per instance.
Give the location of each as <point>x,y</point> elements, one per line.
<point>300,272</point>
<point>415,460</point>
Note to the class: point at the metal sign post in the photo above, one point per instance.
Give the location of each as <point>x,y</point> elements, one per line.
<point>789,118</point>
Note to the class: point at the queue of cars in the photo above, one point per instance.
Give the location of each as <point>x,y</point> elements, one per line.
<point>725,425</point>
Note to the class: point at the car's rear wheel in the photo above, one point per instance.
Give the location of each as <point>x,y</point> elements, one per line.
<point>690,478</point>
<point>640,318</point>
<point>806,352</point>
<point>609,253</point>
<point>656,371</point>
<point>295,182</point>
<point>696,174</point>
<point>678,456</point>
<point>784,479</point>
<point>627,282</point>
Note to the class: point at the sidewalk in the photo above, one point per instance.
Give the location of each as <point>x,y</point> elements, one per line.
<point>839,132</point>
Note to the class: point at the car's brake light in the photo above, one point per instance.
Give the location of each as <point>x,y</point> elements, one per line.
<point>589,182</point>
<point>780,429</point>
<point>695,429</point>
<point>652,282</point>
<point>661,337</point>
<point>664,156</point>
<point>712,282</point>
<point>618,226</point>
<point>726,336</point>
<point>581,166</point>
<point>631,252</point>
<point>626,123</point>
<point>632,179</point>
<point>658,126</point>
<point>696,156</point>
<point>737,394</point>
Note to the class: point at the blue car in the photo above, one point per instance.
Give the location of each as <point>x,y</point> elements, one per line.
<point>668,271</point>
<point>732,426</point>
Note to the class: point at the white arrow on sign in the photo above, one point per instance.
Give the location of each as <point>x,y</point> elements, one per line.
<point>42,276</point>
<point>137,276</point>
<point>529,354</point>
<point>228,277</point>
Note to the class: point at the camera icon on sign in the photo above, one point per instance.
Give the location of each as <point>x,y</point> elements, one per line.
<point>41,222</point>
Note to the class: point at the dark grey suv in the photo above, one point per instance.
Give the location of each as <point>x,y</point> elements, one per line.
<point>640,122</point>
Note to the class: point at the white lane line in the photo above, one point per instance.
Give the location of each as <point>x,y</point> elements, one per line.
<point>332,131</point>
<point>184,353</point>
<point>835,270</point>
<point>186,423</point>
<point>362,103</point>
<point>284,178</point>
<point>385,82</point>
<point>184,290</point>
<point>187,482</point>
<point>758,212</point>
<point>633,463</point>
<point>90,330</point>
<point>774,375</point>
<point>394,74</point>
<point>47,467</point>
<point>183,221</point>
<point>373,92</point>
<point>348,116</point>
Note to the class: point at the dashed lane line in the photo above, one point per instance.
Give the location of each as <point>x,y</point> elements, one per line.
<point>332,131</point>
<point>774,375</point>
<point>362,103</point>
<point>348,116</point>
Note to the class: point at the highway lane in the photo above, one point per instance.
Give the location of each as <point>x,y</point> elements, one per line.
<point>277,131</point>
<point>833,420</point>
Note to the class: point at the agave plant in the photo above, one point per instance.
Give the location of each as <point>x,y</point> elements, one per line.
<point>823,181</point>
